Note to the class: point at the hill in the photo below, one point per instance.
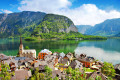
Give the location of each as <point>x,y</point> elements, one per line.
<point>39,25</point>
<point>107,28</point>
<point>83,28</point>
<point>15,23</point>
<point>117,35</point>
<point>55,23</point>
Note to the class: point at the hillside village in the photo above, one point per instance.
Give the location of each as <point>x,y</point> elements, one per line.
<point>47,65</point>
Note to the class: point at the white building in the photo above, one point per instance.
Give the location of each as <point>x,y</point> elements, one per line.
<point>26,53</point>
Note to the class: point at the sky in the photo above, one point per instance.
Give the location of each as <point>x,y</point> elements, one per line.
<point>81,12</point>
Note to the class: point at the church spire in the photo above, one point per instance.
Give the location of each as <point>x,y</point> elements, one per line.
<point>20,40</point>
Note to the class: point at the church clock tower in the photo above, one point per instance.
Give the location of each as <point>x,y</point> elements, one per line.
<point>20,47</point>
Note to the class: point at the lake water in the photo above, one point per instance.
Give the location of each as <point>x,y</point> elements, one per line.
<point>107,50</point>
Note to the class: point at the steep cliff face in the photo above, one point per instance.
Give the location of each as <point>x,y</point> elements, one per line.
<point>28,22</point>
<point>55,23</point>
<point>11,23</point>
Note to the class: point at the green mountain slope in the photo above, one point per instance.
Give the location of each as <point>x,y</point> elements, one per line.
<point>15,23</point>
<point>55,23</point>
<point>107,28</point>
<point>39,25</point>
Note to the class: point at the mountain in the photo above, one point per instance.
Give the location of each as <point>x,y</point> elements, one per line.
<point>55,23</point>
<point>28,22</point>
<point>83,28</point>
<point>117,35</point>
<point>16,23</point>
<point>109,27</point>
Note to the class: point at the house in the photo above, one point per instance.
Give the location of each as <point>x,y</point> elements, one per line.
<point>62,68</point>
<point>70,56</point>
<point>31,53</point>
<point>3,58</point>
<point>51,59</point>
<point>21,74</point>
<point>12,66</point>
<point>56,73</point>
<point>62,54</point>
<point>51,65</point>
<point>93,75</point>
<point>44,52</point>
<point>41,68</point>
<point>65,61</point>
<point>56,53</point>
<point>87,61</point>
<point>33,62</point>
<point>39,62</point>
<point>13,62</point>
<point>76,64</point>
<point>117,68</point>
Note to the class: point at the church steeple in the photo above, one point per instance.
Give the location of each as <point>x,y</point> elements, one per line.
<point>20,40</point>
<point>21,47</point>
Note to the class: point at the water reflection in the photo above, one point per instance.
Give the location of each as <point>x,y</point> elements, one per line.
<point>100,54</point>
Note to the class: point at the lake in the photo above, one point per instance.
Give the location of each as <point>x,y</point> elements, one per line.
<point>105,50</point>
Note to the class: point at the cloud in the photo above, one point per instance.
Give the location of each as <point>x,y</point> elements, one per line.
<point>47,6</point>
<point>86,14</point>
<point>100,54</point>
<point>6,11</point>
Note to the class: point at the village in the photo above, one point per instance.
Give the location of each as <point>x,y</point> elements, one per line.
<point>26,63</point>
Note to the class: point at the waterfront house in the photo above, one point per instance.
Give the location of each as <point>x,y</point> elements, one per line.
<point>44,52</point>
<point>87,62</point>
<point>96,66</point>
<point>117,68</point>
<point>62,54</point>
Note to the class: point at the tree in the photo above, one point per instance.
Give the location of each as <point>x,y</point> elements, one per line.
<point>48,72</point>
<point>27,47</point>
<point>98,78</point>
<point>75,74</point>
<point>20,31</point>
<point>69,70</point>
<point>108,69</point>
<point>5,74</point>
<point>42,76</point>
<point>56,78</point>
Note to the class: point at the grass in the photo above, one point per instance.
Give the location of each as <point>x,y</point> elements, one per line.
<point>88,70</point>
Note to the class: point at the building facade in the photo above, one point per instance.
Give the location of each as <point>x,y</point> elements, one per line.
<point>26,53</point>
<point>44,52</point>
